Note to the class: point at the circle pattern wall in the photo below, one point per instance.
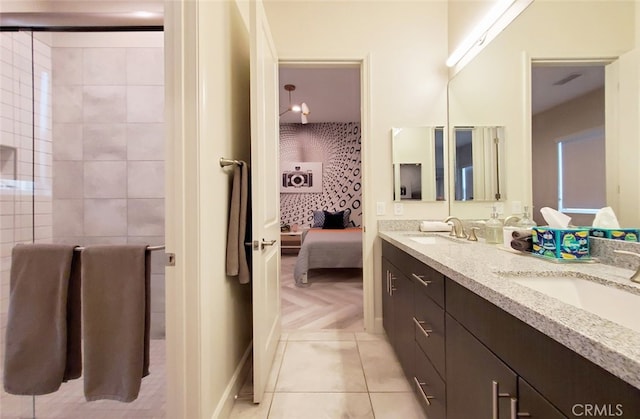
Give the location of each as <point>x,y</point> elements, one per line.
<point>337,146</point>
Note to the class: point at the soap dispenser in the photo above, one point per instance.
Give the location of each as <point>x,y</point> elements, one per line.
<point>525,222</point>
<point>493,228</point>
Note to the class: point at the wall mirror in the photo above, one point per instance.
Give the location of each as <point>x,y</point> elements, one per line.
<point>418,164</point>
<point>495,89</point>
<point>478,162</point>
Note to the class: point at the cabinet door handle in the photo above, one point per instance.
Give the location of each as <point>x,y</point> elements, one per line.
<point>391,287</point>
<point>421,278</point>
<point>495,395</point>
<point>419,323</point>
<point>427,399</point>
<point>387,281</point>
<point>514,410</point>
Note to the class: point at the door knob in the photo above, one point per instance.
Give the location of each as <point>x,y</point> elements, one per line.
<point>260,245</point>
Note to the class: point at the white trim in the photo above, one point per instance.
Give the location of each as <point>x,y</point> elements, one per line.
<point>230,394</point>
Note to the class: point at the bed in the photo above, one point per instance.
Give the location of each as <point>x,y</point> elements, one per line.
<point>328,248</point>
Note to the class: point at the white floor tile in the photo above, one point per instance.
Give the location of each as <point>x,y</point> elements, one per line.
<point>396,405</point>
<point>321,366</point>
<point>321,406</point>
<point>324,335</point>
<point>381,367</point>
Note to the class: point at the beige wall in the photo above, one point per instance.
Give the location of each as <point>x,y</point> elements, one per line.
<point>547,129</point>
<point>493,89</point>
<point>208,313</point>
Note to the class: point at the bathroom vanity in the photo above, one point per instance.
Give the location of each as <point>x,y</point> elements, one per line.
<point>474,343</point>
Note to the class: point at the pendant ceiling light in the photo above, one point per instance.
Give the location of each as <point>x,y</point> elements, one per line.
<point>302,108</point>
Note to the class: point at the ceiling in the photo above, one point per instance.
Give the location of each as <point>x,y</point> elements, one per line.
<point>546,95</point>
<point>332,93</point>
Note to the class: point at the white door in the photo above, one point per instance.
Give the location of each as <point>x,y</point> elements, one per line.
<point>265,196</point>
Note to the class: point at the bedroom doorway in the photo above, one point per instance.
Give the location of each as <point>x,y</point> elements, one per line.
<point>320,161</point>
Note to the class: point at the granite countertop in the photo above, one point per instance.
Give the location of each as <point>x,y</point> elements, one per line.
<point>476,266</point>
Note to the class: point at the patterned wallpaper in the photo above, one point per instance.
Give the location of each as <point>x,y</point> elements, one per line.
<point>337,146</point>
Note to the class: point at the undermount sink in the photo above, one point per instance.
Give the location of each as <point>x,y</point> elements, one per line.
<point>434,238</point>
<point>585,292</point>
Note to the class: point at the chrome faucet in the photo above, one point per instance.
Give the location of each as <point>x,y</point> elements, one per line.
<point>636,276</point>
<point>457,229</point>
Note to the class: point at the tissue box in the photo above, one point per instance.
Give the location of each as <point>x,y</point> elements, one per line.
<point>561,243</point>
<point>626,234</point>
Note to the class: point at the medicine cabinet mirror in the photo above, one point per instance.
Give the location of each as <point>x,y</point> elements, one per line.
<point>418,164</point>
<point>479,155</point>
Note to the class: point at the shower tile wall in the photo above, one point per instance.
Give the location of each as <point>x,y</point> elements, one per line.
<point>25,151</point>
<point>108,151</point>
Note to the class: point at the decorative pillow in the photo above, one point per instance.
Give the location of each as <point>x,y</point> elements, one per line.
<point>334,220</point>
<point>346,217</point>
<point>318,219</point>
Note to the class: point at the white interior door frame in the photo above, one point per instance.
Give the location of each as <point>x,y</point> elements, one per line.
<point>368,221</point>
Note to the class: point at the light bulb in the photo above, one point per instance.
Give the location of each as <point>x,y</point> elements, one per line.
<point>305,109</point>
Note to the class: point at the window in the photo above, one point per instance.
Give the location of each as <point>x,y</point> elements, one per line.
<point>581,172</point>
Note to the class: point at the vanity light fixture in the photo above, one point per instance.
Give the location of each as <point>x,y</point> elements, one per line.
<point>302,108</point>
<point>499,16</point>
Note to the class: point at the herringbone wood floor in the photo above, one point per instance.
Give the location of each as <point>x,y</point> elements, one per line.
<point>333,301</point>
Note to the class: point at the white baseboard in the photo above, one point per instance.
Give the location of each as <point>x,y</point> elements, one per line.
<point>223,410</point>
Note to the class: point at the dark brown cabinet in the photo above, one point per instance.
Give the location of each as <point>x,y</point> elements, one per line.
<point>398,306</point>
<point>479,384</point>
<point>553,381</point>
<point>467,358</point>
<point>413,317</point>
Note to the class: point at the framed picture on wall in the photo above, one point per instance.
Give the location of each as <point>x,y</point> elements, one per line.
<point>299,177</point>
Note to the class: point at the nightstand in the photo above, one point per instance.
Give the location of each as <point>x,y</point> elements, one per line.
<point>290,240</point>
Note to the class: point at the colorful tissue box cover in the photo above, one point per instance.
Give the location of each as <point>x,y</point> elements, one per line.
<point>566,243</point>
<point>626,234</point>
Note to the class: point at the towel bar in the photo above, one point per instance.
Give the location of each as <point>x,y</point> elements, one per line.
<point>229,162</point>
<point>161,247</point>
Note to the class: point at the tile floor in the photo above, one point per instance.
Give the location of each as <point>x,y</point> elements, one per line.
<point>332,375</point>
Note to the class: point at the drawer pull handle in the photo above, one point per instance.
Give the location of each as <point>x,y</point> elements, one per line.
<point>495,394</point>
<point>419,323</point>
<point>514,410</point>
<point>421,278</point>
<point>427,399</point>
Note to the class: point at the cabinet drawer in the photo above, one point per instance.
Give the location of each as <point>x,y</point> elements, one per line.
<point>431,281</point>
<point>429,327</point>
<point>429,387</point>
